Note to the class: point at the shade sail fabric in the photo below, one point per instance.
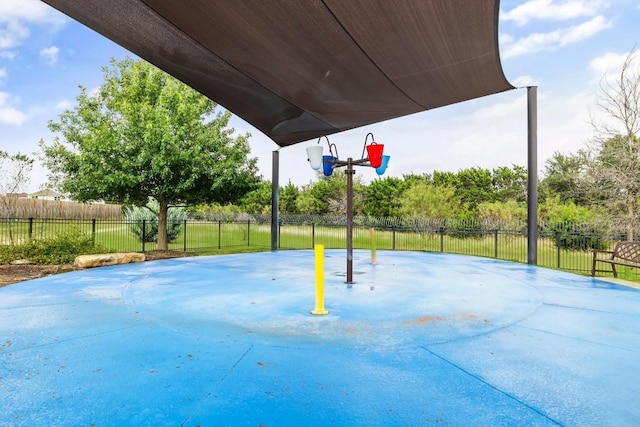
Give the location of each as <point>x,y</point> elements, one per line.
<point>300,69</point>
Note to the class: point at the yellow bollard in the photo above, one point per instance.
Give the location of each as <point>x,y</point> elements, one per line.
<point>319,310</point>
<point>372,236</point>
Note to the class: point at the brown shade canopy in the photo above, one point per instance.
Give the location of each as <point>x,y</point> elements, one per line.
<point>300,69</point>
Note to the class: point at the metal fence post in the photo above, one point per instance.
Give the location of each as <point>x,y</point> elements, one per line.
<point>393,237</point>
<point>313,235</point>
<point>30,228</point>
<point>144,232</point>
<point>248,232</point>
<point>93,231</point>
<point>184,245</point>
<point>558,247</point>
<point>495,243</point>
<point>441,231</point>
<point>219,232</point>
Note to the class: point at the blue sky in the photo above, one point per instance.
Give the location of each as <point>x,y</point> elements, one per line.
<point>562,46</point>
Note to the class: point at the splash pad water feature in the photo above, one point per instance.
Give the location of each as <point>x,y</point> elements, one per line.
<point>419,339</point>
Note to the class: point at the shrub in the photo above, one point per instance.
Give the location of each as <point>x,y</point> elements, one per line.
<point>464,228</point>
<point>582,237</point>
<point>136,215</point>
<point>60,249</point>
<point>502,211</point>
<point>572,226</point>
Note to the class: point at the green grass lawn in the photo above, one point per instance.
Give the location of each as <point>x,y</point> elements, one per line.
<point>220,237</point>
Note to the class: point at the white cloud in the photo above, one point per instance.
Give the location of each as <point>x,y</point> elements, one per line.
<point>609,63</point>
<point>504,38</point>
<point>524,81</point>
<point>497,110</point>
<point>28,10</point>
<point>8,114</point>
<point>3,73</point>
<point>538,42</point>
<point>554,10</point>
<point>12,34</point>
<point>65,104</point>
<point>15,15</point>
<point>50,54</point>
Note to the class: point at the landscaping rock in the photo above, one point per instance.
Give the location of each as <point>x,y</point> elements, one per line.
<point>100,260</point>
<point>21,262</point>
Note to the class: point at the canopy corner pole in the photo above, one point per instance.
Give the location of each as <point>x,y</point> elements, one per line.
<point>532,175</point>
<point>275,200</point>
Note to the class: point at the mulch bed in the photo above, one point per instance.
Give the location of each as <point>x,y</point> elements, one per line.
<point>10,274</point>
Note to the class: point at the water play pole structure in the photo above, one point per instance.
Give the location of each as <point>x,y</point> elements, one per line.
<point>319,256</point>
<point>372,236</point>
<point>328,163</point>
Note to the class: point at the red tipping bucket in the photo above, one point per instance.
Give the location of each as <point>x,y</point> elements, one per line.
<point>375,154</point>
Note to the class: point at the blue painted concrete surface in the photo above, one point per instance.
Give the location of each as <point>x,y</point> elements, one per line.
<point>420,339</point>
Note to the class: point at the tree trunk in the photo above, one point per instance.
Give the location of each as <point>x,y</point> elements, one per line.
<point>163,244</point>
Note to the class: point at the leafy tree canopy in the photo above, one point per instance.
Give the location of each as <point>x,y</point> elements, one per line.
<point>289,198</point>
<point>383,197</point>
<point>145,134</point>
<point>14,172</point>
<point>615,170</point>
<point>328,195</point>
<point>424,200</point>
<point>564,176</point>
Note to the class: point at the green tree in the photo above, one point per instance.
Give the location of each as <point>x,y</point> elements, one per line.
<point>553,209</point>
<point>445,179</point>
<point>570,225</point>
<point>289,198</point>
<point>564,176</point>
<point>615,180</point>
<point>258,200</point>
<point>475,186</point>
<point>411,178</point>
<point>328,195</point>
<point>430,201</point>
<point>615,168</point>
<point>135,215</point>
<point>472,186</point>
<point>145,134</point>
<point>382,197</point>
<point>15,170</point>
<point>509,184</point>
<point>509,210</point>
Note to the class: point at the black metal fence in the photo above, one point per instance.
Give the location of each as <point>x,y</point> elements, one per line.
<point>564,246</point>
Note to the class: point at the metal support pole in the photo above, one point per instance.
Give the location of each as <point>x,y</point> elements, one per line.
<point>350,172</point>
<point>532,184</point>
<point>275,199</point>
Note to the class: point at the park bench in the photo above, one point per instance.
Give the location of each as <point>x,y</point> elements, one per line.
<point>624,253</point>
